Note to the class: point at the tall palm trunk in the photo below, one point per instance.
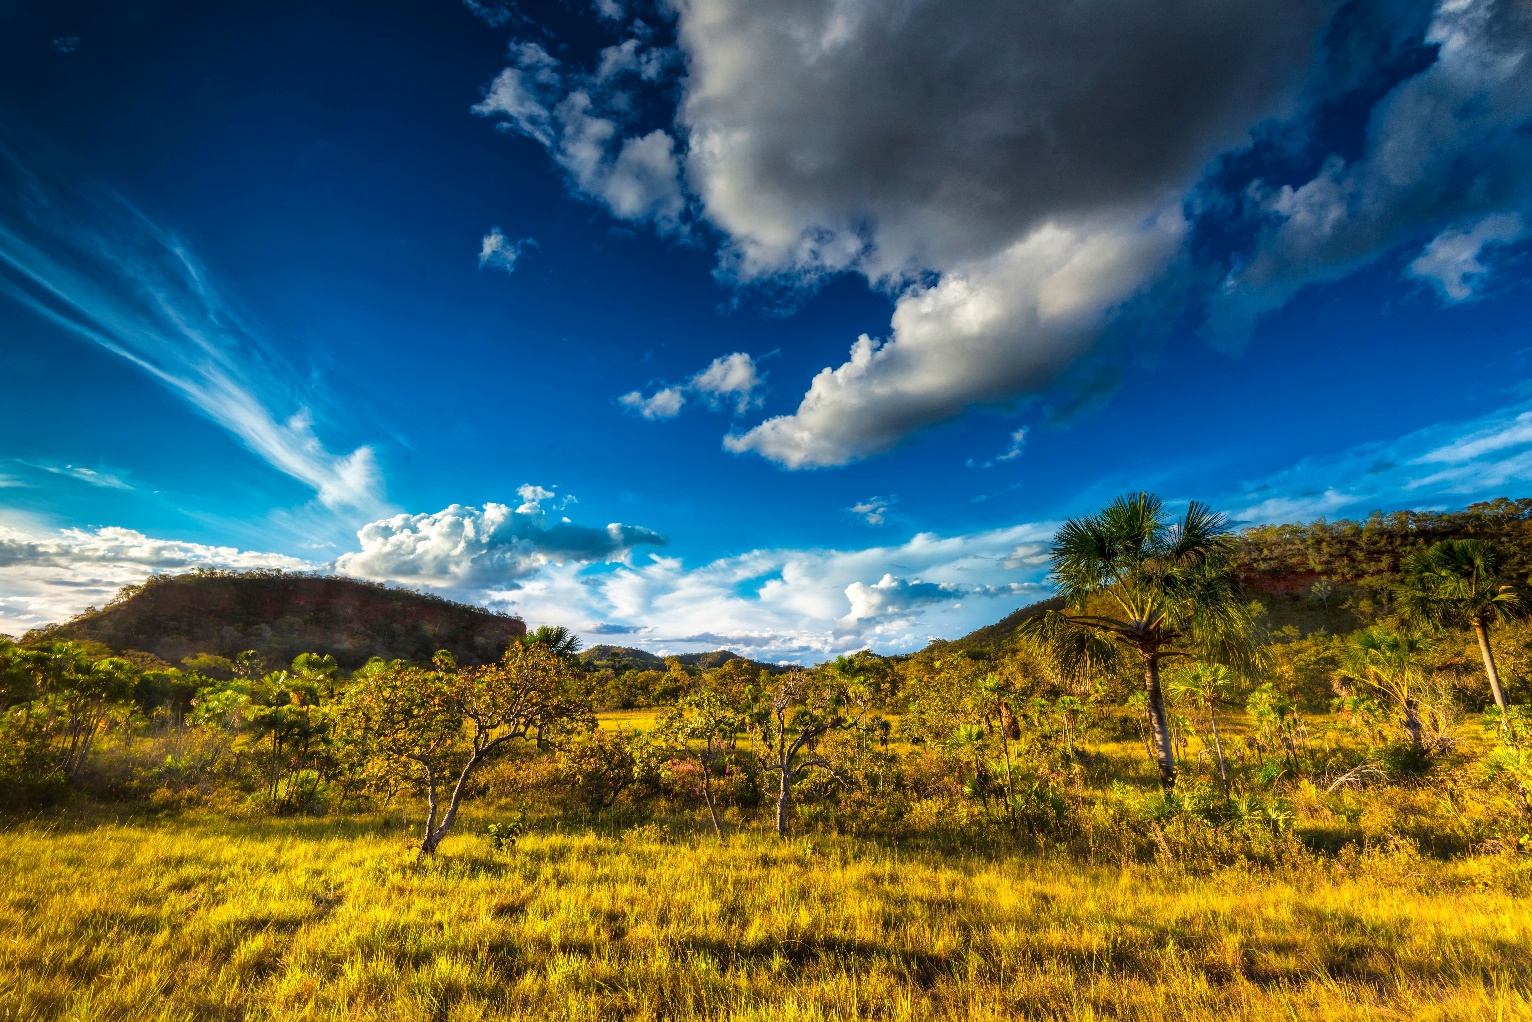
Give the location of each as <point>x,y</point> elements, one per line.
<point>1481,629</point>
<point>1158,723</point>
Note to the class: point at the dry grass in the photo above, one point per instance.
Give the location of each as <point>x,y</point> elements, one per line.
<point>193,919</point>
<point>619,720</point>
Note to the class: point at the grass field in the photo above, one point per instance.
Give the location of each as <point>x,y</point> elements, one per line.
<point>331,919</point>
<point>614,720</point>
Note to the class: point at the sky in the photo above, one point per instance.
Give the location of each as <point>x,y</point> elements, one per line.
<point>793,327</point>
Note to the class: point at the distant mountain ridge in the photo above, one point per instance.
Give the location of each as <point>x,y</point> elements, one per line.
<point>620,658</point>
<point>281,614</point>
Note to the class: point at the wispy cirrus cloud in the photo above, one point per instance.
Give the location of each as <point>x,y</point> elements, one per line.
<point>88,261</point>
<point>1445,465</point>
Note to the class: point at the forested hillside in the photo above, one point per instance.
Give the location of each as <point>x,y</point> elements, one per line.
<point>281,615</point>
<point>1332,577</point>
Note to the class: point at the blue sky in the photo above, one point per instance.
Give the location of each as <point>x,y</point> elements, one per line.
<point>791,328</point>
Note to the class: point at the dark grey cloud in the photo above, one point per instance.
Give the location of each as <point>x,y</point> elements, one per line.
<point>906,137</point>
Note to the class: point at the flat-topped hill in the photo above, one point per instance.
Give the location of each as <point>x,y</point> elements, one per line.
<point>281,614</point>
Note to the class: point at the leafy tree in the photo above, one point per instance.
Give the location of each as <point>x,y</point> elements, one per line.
<point>602,765</point>
<point>1460,583</point>
<point>705,728</point>
<point>77,692</point>
<point>1391,663</point>
<point>790,721</point>
<point>1135,581</point>
<point>413,723</point>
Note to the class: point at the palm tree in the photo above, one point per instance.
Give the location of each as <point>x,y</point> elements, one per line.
<point>1134,580</point>
<point>1202,682</point>
<point>1458,583</point>
<point>557,639</point>
<point>1393,664</point>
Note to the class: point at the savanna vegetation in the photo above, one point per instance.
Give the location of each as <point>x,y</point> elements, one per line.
<point>1280,773</point>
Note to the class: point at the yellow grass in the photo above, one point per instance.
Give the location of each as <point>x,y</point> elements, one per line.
<point>323,919</point>
<point>618,720</point>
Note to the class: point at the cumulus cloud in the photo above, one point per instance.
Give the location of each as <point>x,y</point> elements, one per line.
<point>584,121</point>
<point>1448,155</point>
<point>499,252</point>
<point>468,549</point>
<point>665,403</point>
<point>98,268</point>
<point>50,575</point>
<point>890,595</point>
<point>729,383</point>
<point>985,332</point>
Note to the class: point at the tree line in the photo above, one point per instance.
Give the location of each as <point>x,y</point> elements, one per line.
<point>1157,704</point>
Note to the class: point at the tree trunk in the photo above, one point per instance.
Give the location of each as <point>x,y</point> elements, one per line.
<point>1223,771</point>
<point>707,793</point>
<point>783,793</point>
<point>434,837</point>
<point>1481,629</point>
<point>1159,725</point>
<point>1010,793</point>
<point>427,846</point>
<point>1412,724</point>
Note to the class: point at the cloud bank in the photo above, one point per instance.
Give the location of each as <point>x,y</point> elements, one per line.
<point>51,575</point>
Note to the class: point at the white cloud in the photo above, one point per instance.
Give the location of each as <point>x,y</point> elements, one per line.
<point>665,403</point>
<point>580,119</point>
<point>729,382</point>
<point>51,575</point>
<point>890,595</point>
<point>1017,175</point>
<point>98,268</point>
<point>1451,261</point>
<point>500,252</point>
<point>467,549</point>
<point>985,332</point>
<point>100,478</point>
<point>873,510</point>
